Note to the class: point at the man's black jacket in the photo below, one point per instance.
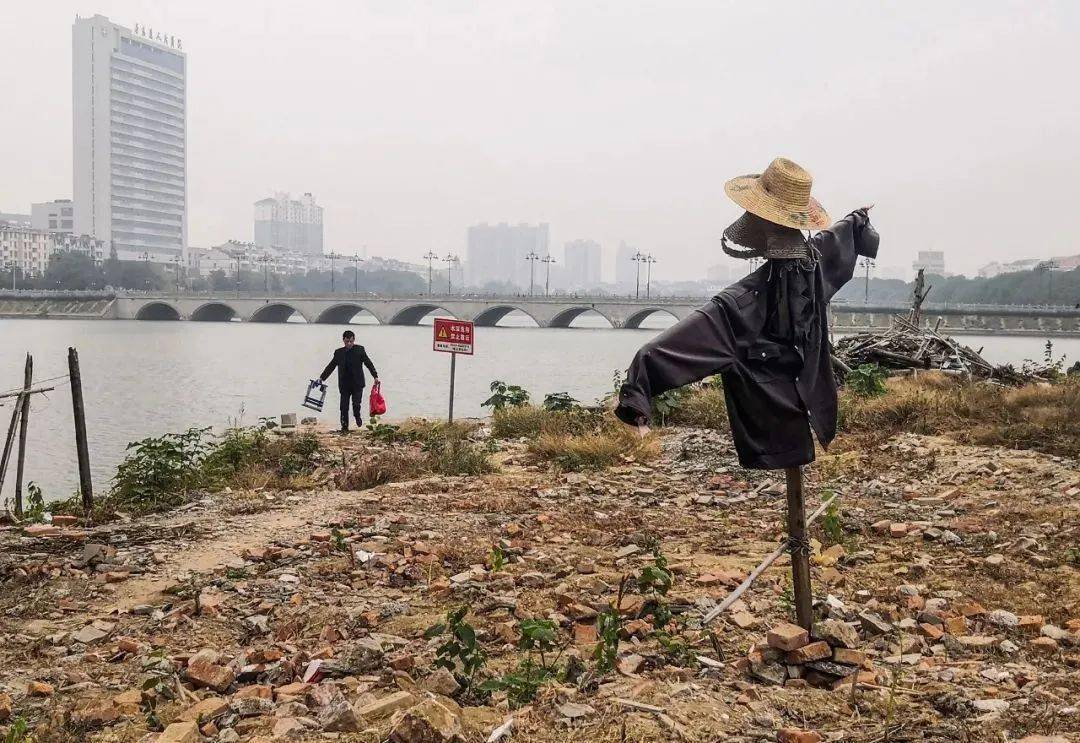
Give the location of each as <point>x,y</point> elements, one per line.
<point>350,363</point>
<point>767,335</point>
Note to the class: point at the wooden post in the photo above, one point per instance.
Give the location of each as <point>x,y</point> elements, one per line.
<point>24,422</point>
<point>453,369</point>
<point>86,486</point>
<point>6,457</point>
<point>800,549</point>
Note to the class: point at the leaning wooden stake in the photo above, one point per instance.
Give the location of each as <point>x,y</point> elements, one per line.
<point>24,422</point>
<point>800,549</point>
<point>773,557</point>
<point>6,457</point>
<point>86,486</point>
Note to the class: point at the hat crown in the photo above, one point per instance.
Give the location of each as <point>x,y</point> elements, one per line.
<point>788,182</point>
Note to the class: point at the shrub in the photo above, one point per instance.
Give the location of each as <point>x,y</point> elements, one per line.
<point>866,380</point>
<point>159,471</point>
<point>559,401</point>
<point>503,395</point>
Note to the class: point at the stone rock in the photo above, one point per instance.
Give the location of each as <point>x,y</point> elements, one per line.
<point>340,717</point>
<point>990,705</point>
<point>976,641</point>
<point>181,732</point>
<point>807,653</point>
<point>849,657</point>
<point>251,706</point>
<point>208,709</point>
<point>874,624</point>
<point>573,711</point>
<point>386,706</point>
<point>441,682</point>
<point>1002,618</point>
<point>770,672</point>
<point>631,664</point>
<point>39,689</point>
<point>1053,632</point>
<point>287,728</point>
<point>427,722</point>
<point>585,634</point>
<point>837,633</point>
<point>96,714</point>
<point>360,657</point>
<point>786,636</point>
<point>201,672</point>
<point>744,620</point>
<point>92,633</point>
<point>1043,645</point>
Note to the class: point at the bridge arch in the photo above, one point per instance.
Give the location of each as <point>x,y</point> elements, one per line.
<point>275,312</point>
<point>214,312</point>
<point>343,314</point>
<point>413,314</point>
<point>490,317</point>
<point>567,316</point>
<point>157,311</point>
<point>634,321</point>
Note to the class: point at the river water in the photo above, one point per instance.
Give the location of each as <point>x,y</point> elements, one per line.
<point>146,378</point>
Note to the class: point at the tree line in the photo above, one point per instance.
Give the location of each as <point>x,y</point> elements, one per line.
<point>1021,287</point>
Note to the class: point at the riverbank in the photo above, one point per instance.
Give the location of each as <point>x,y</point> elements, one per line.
<point>953,565</point>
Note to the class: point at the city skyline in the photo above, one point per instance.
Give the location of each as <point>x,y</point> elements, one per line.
<point>619,171</point>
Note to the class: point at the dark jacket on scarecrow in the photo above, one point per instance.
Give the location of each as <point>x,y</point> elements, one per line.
<point>767,335</point>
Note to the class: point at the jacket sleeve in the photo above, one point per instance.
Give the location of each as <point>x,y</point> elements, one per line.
<point>369,365</point>
<point>690,350</point>
<point>329,367</point>
<point>841,245</point>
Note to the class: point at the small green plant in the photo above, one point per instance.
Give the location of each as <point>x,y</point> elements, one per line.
<point>34,511</point>
<point>337,538</point>
<point>383,432</point>
<point>1072,555</point>
<point>18,731</point>
<point>787,600</point>
<point>832,523</point>
<point>539,638</point>
<point>497,558</point>
<point>867,380</point>
<point>504,395</point>
<point>459,653</point>
<point>608,627</point>
<point>654,583</point>
<point>667,403</point>
<point>559,402</point>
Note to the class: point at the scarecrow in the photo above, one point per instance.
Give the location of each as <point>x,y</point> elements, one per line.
<point>767,336</point>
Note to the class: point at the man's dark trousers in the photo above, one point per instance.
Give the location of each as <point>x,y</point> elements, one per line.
<point>357,396</point>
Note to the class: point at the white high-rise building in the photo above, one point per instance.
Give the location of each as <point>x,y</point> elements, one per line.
<point>499,254</point>
<point>129,96</point>
<point>289,224</point>
<point>581,263</point>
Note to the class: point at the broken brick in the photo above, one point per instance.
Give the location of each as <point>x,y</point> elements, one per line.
<point>786,636</point>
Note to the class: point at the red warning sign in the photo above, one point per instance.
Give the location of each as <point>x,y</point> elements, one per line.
<point>453,336</point>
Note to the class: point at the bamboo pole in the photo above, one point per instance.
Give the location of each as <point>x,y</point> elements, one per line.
<point>761,568</point>
<point>24,423</point>
<point>86,485</point>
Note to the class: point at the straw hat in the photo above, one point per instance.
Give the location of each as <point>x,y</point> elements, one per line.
<point>780,195</point>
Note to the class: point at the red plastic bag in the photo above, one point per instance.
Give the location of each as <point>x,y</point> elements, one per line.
<point>376,403</point>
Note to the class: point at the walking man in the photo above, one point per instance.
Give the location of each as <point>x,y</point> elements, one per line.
<point>350,361</point>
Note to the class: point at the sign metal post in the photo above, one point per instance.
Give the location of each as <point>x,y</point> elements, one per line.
<point>453,337</point>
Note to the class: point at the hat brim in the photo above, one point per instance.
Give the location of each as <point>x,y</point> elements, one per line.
<point>747,192</point>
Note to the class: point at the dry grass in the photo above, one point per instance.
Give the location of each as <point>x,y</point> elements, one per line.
<point>380,468</point>
<point>610,445</point>
<point>531,421</point>
<point>1041,417</point>
<point>705,408</point>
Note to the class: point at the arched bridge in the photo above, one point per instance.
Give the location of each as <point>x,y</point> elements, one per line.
<point>547,312</point>
<point>560,311</point>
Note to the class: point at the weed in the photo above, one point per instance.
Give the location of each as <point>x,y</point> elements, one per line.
<point>337,539</point>
<point>559,402</point>
<point>867,380</point>
<point>608,627</point>
<point>528,421</point>
<point>159,471</point>
<point>34,511</point>
<point>497,558</point>
<point>706,407</point>
<point>503,395</point>
<point>538,636</point>
<point>832,522</point>
<point>654,582</point>
<point>666,403</point>
<point>787,600</point>
<point>18,731</point>
<point>456,456</point>
<point>459,653</point>
<point>379,469</point>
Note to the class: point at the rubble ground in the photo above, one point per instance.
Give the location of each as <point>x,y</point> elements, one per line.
<point>947,585</point>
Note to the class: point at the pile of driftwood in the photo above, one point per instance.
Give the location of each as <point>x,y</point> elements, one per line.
<point>906,348</point>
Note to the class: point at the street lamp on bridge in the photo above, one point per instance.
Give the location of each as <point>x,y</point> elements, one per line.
<point>532,258</point>
<point>238,255</point>
<point>638,258</point>
<point>868,265</point>
<point>356,261</point>
<point>649,260</point>
<point>450,259</point>
<point>332,257</point>
<point>266,260</point>
<point>431,256</point>
<point>547,279</point>
<point>176,265</point>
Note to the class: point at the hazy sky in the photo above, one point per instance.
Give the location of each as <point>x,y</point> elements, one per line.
<point>614,121</point>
